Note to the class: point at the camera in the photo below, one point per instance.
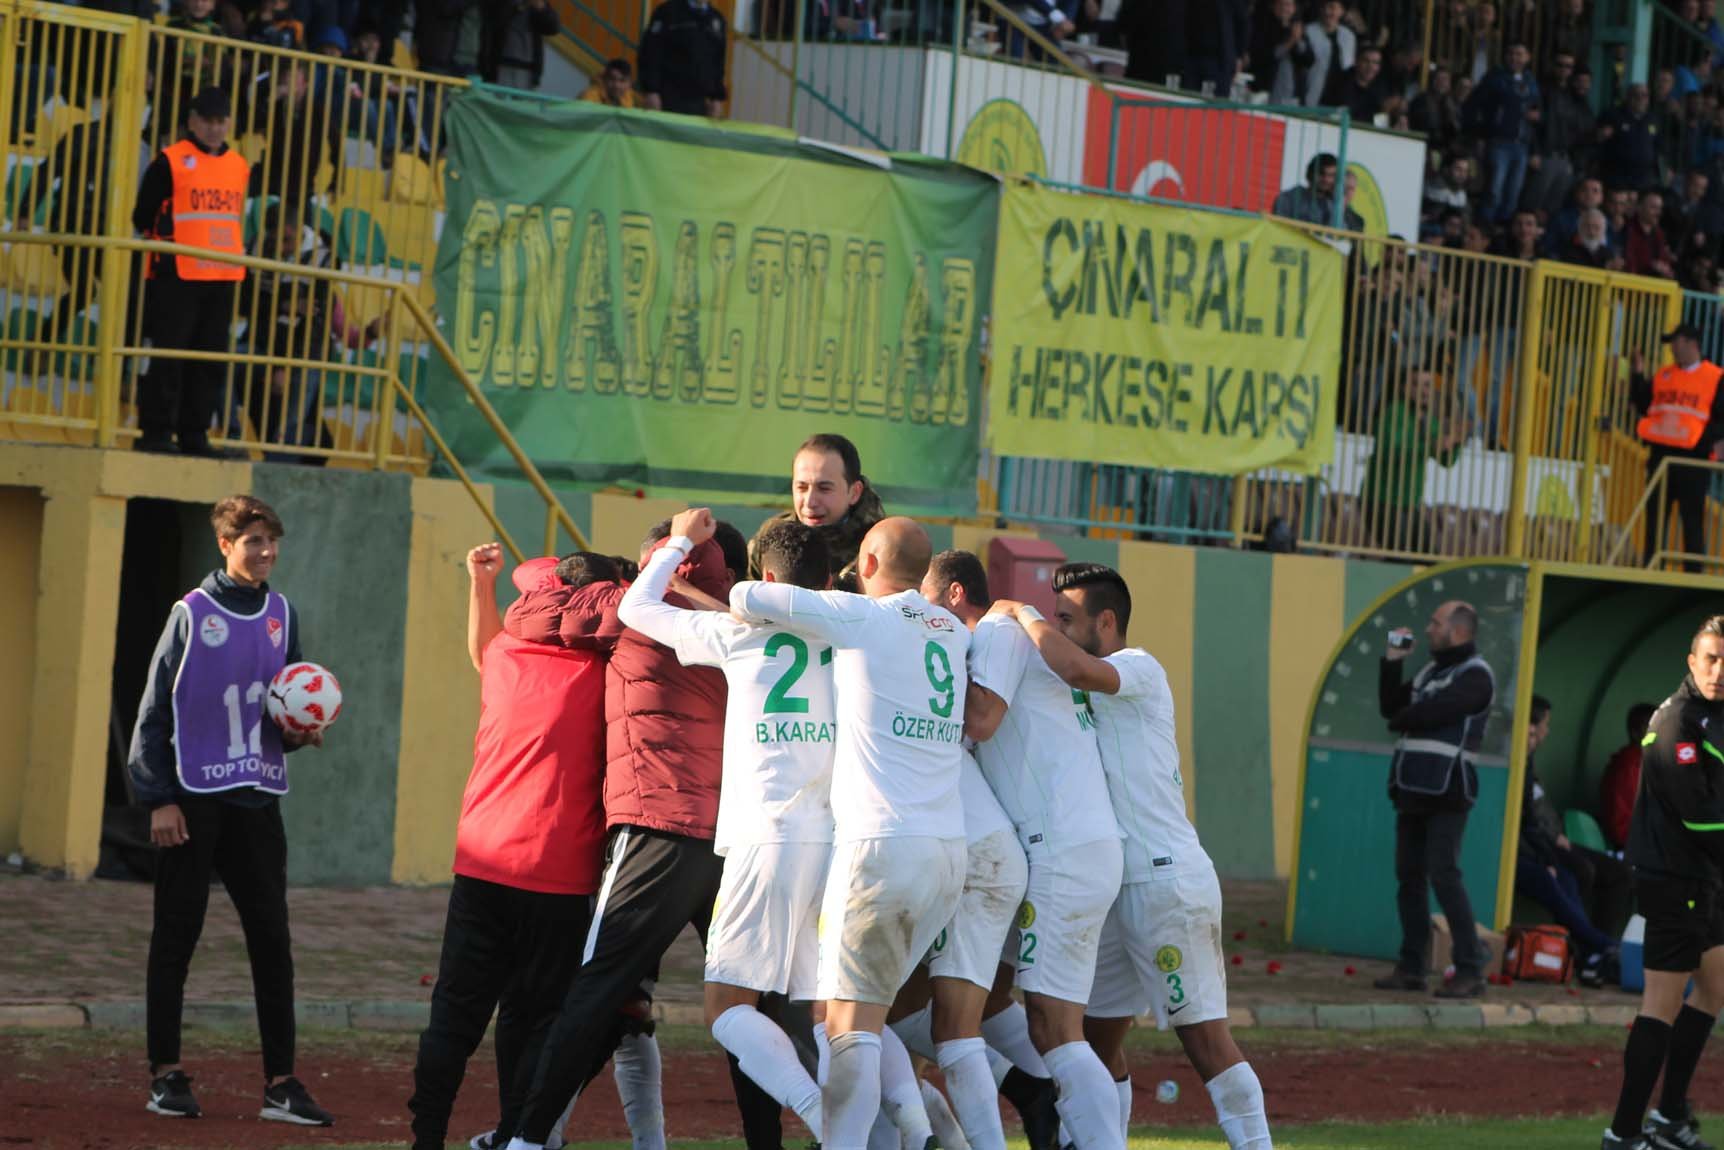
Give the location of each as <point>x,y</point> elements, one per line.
<point>1400,639</point>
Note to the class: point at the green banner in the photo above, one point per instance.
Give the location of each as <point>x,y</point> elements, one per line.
<point>658,302</point>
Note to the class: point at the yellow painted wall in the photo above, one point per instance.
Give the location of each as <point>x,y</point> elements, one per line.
<point>1163,622</point>
<point>21,527</point>
<point>439,689</point>
<point>1307,597</point>
<point>621,522</point>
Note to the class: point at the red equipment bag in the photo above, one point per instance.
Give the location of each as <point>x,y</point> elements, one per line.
<point>1538,954</point>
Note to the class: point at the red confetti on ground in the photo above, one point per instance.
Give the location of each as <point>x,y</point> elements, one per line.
<point>1239,960</point>
<point>1274,968</point>
<point>1238,936</point>
<point>1350,971</point>
<point>1573,993</point>
<point>1262,922</point>
<point>426,980</point>
<point>1596,1063</point>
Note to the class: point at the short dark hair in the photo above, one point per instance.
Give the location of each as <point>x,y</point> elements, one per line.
<point>584,567</point>
<point>1465,617</point>
<point>1104,589</point>
<point>233,515</point>
<point>658,531</point>
<point>1713,626</point>
<point>964,569</point>
<point>794,553</point>
<point>1639,718</point>
<point>1513,44</point>
<point>627,569</point>
<point>839,446</point>
<point>620,66</point>
<point>735,548</point>
<point>1539,708</point>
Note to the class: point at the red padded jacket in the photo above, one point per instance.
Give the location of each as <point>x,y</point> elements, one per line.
<point>664,734</point>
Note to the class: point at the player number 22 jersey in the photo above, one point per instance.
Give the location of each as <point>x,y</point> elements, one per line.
<point>1135,729</point>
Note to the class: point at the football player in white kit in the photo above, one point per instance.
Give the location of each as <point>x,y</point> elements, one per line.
<point>898,859</point>
<point>774,811</point>
<point>1161,946</point>
<point>1036,743</point>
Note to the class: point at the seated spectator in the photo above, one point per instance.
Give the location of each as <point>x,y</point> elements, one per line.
<point>1588,196</point>
<point>1437,113</point>
<point>1698,272</point>
<point>330,40</point>
<point>367,42</point>
<point>194,16</point>
<point>1351,220</point>
<point>1707,22</point>
<point>1618,212</point>
<point>1333,48</point>
<point>1628,142</point>
<point>1504,111</point>
<point>1621,780</point>
<point>1589,247</point>
<point>1646,252</point>
<point>1563,138</point>
<point>1694,76</point>
<point>1315,202</point>
<point>1548,867</point>
<point>512,42</point>
<point>1361,89</point>
<point>613,87</point>
<point>273,24</point>
<point>1520,241</point>
<point>1448,189</point>
<point>1452,228</point>
<point>1280,54</point>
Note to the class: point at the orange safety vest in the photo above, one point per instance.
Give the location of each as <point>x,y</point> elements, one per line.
<point>1681,405</point>
<point>208,208</point>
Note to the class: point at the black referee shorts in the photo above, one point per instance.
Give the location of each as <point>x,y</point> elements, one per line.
<point>1684,920</point>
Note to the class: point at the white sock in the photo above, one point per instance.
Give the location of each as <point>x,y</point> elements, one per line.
<point>822,1053</point>
<point>999,1064</point>
<point>883,1135</point>
<point>916,1031</point>
<point>899,1095</point>
<point>522,1144</point>
<point>1123,1085</point>
<point>768,1057</point>
<point>1238,1098</point>
<point>975,1094</point>
<point>947,1132</point>
<point>852,1092</point>
<point>1088,1103</point>
<point>639,1073</point>
<point>1009,1033</point>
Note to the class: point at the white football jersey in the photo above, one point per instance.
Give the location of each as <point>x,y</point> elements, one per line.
<point>898,668</point>
<point>1043,761</point>
<point>780,722</point>
<point>1141,754</point>
<point>983,814</point>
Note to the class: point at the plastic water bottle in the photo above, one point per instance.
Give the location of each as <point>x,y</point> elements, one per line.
<point>1167,1093</point>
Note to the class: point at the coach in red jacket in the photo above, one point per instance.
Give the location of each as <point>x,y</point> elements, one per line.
<point>664,757</point>
<point>527,847</point>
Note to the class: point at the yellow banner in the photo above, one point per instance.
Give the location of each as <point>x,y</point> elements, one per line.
<point>1160,337</point>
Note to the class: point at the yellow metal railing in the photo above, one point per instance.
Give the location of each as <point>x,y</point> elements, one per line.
<point>1643,544</point>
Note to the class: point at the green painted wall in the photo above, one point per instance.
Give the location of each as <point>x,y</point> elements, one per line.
<point>343,564</point>
<point>1366,581</point>
<point>1230,711</point>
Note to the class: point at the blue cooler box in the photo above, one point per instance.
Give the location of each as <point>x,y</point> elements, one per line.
<point>1633,955</point>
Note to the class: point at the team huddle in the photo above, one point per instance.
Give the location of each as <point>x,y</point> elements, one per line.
<point>927,798</point>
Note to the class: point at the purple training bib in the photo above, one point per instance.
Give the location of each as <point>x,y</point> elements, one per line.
<point>223,737</point>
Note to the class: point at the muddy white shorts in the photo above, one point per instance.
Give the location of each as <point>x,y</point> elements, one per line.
<point>763,933</point>
<point>1161,951</point>
<point>1058,931</point>
<point>994,878</point>
<point>886,900</point>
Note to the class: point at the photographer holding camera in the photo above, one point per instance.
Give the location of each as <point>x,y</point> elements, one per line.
<point>1440,718</point>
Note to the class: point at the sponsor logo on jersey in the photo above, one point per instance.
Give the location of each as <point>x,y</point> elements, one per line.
<point>213,630</point>
<point>1026,915</point>
<point>1168,959</point>
<point>1687,753</point>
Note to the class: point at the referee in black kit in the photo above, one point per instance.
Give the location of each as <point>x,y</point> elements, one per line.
<point>1676,845</point>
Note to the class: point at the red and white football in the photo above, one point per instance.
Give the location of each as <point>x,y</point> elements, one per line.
<point>303,698</point>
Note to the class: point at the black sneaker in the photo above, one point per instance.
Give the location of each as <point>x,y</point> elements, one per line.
<point>1461,986</point>
<point>1398,979</point>
<point>290,1102</point>
<point>485,1141</point>
<point>1612,1142</point>
<point>1033,1099</point>
<point>171,1096</point>
<point>1673,1134</point>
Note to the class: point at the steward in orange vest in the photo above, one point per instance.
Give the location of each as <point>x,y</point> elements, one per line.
<point>1682,417</point>
<point>194,193</point>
